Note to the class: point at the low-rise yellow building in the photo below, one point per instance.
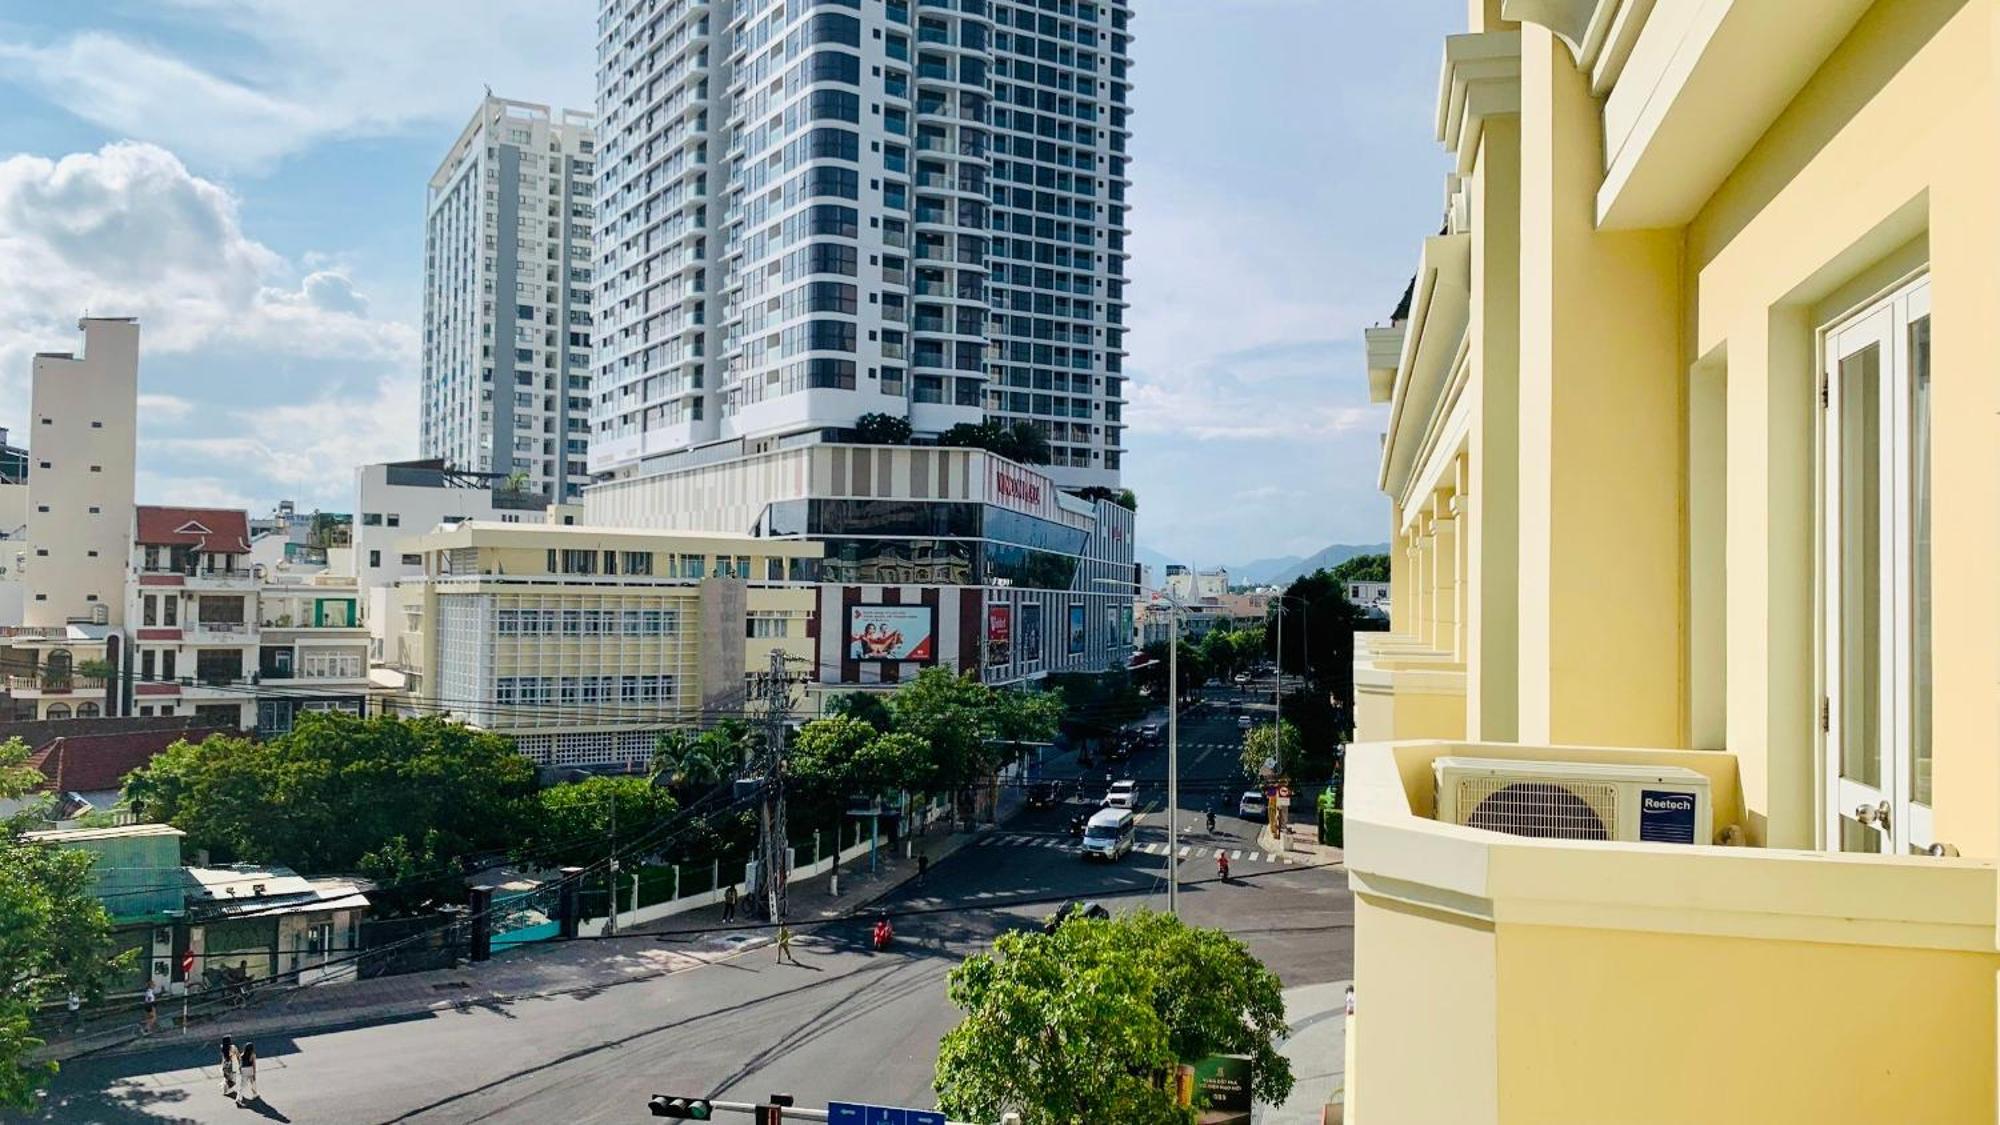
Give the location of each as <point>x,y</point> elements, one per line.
<point>585,642</point>
<point>1692,457</point>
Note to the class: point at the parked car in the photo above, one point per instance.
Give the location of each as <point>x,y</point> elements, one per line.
<point>1122,794</point>
<point>1242,722</point>
<point>1073,909</point>
<point>1153,734</point>
<point>1252,805</point>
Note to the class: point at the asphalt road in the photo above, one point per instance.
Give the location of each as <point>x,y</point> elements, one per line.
<point>847,1023</point>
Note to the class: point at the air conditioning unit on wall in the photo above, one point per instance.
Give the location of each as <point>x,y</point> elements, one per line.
<point>1575,800</point>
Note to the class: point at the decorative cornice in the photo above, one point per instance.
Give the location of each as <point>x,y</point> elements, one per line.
<point>1481,79</point>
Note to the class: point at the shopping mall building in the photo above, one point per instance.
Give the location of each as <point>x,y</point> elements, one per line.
<point>933,556</point>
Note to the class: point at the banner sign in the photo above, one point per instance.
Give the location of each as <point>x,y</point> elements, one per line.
<point>999,633</point>
<point>891,633</point>
<point>1217,1088</point>
<point>1031,631</point>
<point>1076,630</point>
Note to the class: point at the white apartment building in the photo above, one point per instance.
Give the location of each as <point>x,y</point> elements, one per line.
<point>818,211</point>
<point>507,297</point>
<point>215,636</point>
<point>396,500</point>
<point>83,434</point>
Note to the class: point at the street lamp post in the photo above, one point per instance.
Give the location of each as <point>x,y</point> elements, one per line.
<point>1173,745</point>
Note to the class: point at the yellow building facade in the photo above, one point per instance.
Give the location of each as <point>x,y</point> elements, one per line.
<point>1692,458</point>
<point>583,643</point>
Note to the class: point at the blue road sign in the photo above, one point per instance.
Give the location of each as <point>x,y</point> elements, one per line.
<point>852,1113</point>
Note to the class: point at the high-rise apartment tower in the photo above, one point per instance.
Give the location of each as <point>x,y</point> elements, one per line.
<point>507,297</point>
<point>819,209</point>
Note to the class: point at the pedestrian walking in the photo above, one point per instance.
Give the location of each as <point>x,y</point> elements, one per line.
<point>75,1013</point>
<point>729,904</point>
<point>785,945</point>
<point>152,1016</point>
<point>246,1065</point>
<point>923,867</point>
<point>228,1067</point>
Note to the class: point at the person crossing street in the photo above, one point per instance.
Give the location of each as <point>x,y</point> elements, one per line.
<point>1222,864</point>
<point>785,945</point>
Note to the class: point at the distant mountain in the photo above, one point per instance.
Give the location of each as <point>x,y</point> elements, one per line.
<point>1263,570</point>
<point>1328,559</point>
<point>1273,570</point>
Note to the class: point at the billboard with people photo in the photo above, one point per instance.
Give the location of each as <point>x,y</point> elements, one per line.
<point>999,633</point>
<point>891,633</point>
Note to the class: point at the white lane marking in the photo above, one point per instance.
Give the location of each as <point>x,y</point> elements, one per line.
<point>1184,852</point>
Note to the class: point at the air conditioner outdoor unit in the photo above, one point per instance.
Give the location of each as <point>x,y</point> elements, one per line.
<point>1575,800</point>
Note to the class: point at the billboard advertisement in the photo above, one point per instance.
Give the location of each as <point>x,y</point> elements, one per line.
<point>999,633</point>
<point>1217,1088</point>
<point>891,633</point>
<point>1076,629</point>
<point>1031,631</point>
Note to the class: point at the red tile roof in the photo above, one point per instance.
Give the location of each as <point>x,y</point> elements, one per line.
<point>223,531</point>
<point>89,763</point>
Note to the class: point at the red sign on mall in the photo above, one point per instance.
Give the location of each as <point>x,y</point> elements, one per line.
<point>1017,488</point>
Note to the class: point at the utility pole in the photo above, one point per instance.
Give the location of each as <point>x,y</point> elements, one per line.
<point>774,850</point>
<point>611,875</point>
<point>1278,692</point>
<point>1173,756</point>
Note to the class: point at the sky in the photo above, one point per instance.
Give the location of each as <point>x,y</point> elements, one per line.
<point>247,177</point>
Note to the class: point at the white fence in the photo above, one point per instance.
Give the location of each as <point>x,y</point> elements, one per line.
<point>595,927</point>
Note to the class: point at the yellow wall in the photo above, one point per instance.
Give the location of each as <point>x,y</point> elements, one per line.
<point>1893,141</point>
<point>1424,1006</point>
<point>1600,438</point>
<point>1609,1026</point>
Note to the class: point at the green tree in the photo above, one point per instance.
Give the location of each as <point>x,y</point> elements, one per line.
<point>54,936</point>
<point>1078,1026</point>
<point>337,788</point>
<point>1022,715</point>
<point>1129,499</point>
<point>1220,653</point>
<point>688,759</point>
<point>1025,442</point>
<point>1194,670</point>
<point>870,707</point>
<point>1264,743</point>
<point>1362,568</point>
<point>882,429</point>
<point>949,714</point>
<point>574,822</point>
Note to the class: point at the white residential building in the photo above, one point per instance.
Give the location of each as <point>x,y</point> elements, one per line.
<point>82,442</point>
<point>507,297</point>
<point>217,636</point>
<point>815,212</point>
<point>398,500</point>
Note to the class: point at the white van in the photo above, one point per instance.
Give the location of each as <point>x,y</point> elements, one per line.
<point>1109,834</point>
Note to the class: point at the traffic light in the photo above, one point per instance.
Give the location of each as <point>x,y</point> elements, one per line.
<point>686,1109</point>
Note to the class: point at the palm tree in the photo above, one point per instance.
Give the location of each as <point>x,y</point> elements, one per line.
<point>685,759</point>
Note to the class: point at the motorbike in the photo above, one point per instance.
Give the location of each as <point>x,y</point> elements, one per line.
<point>882,936</point>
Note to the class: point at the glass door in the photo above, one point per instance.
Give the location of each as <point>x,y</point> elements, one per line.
<point>1876,712</point>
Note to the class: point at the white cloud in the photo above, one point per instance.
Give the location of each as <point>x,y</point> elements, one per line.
<point>311,71</point>
<point>129,231</point>
<point>164,408</point>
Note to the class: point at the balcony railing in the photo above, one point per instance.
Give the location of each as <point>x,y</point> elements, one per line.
<point>57,682</point>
